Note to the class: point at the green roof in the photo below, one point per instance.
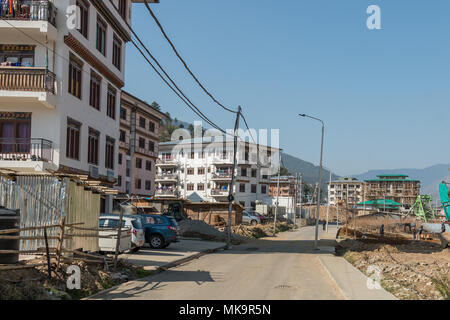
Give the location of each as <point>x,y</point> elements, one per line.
<point>392,175</point>
<point>391,180</point>
<point>380,202</point>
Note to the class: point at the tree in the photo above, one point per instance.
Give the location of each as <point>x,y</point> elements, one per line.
<point>155,105</point>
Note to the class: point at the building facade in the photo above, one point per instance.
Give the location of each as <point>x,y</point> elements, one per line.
<point>345,190</point>
<point>201,170</point>
<point>398,188</point>
<point>138,146</point>
<point>60,85</point>
<point>288,196</point>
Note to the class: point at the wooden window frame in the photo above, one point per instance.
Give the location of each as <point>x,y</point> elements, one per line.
<point>95,91</point>
<point>93,144</point>
<point>75,83</point>
<point>73,134</point>
<point>117,53</point>
<point>101,32</point>
<point>84,18</point>
<point>109,153</point>
<point>111,102</point>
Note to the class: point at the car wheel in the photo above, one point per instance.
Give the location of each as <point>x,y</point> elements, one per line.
<point>156,241</point>
<point>254,223</point>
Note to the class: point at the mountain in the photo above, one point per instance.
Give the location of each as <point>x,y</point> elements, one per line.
<point>429,177</point>
<point>309,171</point>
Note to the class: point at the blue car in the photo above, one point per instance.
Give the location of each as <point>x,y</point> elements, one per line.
<point>160,231</point>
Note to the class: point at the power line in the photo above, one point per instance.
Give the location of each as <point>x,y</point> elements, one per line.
<point>248,129</point>
<point>182,60</point>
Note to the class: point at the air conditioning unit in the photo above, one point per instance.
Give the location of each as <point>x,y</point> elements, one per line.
<point>93,172</point>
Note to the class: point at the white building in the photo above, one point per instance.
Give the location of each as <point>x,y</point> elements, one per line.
<point>345,190</point>
<point>200,170</point>
<point>60,86</point>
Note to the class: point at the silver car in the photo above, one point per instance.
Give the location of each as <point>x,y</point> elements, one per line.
<point>248,218</point>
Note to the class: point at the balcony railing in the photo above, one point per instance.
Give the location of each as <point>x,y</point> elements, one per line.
<point>33,149</point>
<point>166,193</point>
<point>225,176</point>
<point>219,192</point>
<point>29,10</point>
<point>167,176</point>
<point>27,79</point>
<point>167,162</point>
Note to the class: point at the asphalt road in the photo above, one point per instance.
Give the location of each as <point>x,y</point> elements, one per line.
<point>284,267</point>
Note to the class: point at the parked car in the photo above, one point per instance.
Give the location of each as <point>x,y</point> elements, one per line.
<point>248,218</point>
<point>261,217</point>
<point>160,230</point>
<point>131,222</point>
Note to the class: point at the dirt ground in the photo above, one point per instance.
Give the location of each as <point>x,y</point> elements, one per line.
<point>417,270</point>
<point>33,283</point>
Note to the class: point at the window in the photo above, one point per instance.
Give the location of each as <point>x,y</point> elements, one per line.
<point>190,171</point>
<point>151,146</point>
<point>148,185</point>
<point>101,36</point>
<point>190,187</point>
<point>95,91</point>
<point>119,181</point>
<point>142,122</point>
<point>200,187</point>
<point>15,132</point>
<point>120,158</point>
<point>17,55</point>
<point>73,140</point>
<point>138,163</point>
<point>117,53</point>
<point>127,169</point>
<point>263,189</point>
<point>253,188</point>
<point>141,143</point>
<point>122,135</point>
<point>111,103</point>
<point>151,126</point>
<point>109,153</point>
<point>242,187</point>
<point>200,170</point>
<point>122,8</point>
<point>201,155</point>
<point>93,146</point>
<point>137,183</point>
<point>254,173</point>
<point>192,155</point>
<point>75,78</point>
<point>84,17</point>
<point>123,113</point>
<point>148,165</point>
<point>243,172</point>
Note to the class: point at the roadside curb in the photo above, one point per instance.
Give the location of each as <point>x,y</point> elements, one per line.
<point>341,291</point>
<point>163,268</point>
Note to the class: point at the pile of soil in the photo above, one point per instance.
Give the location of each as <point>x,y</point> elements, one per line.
<point>202,230</point>
<point>417,270</point>
<point>34,284</point>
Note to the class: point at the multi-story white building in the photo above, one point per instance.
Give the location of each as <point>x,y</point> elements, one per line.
<point>60,85</point>
<point>201,169</point>
<point>346,190</point>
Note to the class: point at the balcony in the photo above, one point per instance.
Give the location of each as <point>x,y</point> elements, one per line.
<point>146,152</point>
<point>221,160</point>
<point>167,193</point>
<point>28,83</point>
<point>27,15</point>
<point>219,192</point>
<point>167,177</point>
<point>33,153</point>
<point>221,176</point>
<point>167,163</point>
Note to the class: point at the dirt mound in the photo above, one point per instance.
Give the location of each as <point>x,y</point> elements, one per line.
<point>417,270</point>
<point>202,230</point>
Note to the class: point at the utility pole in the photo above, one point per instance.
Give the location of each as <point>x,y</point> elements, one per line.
<point>230,191</point>
<point>278,195</point>
<point>328,207</point>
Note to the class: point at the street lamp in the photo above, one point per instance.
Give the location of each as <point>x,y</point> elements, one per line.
<point>316,236</point>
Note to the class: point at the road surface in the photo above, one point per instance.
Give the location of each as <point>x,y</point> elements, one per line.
<point>284,268</point>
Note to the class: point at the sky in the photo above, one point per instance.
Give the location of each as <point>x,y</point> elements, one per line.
<point>384,95</point>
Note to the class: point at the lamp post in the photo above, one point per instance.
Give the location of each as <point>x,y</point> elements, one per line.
<point>316,236</point>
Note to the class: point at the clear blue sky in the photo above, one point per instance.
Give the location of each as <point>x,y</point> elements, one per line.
<point>384,94</point>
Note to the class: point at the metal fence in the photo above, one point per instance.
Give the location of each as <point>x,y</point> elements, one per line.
<point>41,201</point>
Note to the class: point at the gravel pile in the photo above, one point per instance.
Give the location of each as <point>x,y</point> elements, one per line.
<point>202,230</point>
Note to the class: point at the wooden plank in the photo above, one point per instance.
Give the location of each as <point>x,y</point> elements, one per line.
<point>18,267</point>
<point>7,231</point>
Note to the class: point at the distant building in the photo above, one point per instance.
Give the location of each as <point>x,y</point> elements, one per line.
<point>201,169</point>
<point>138,146</point>
<point>287,193</point>
<point>398,188</point>
<point>345,190</point>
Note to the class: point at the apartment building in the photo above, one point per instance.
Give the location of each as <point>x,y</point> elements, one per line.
<point>398,188</point>
<point>200,169</point>
<point>138,146</point>
<point>60,85</point>
<point>288,195</point>
<point>347,190</point>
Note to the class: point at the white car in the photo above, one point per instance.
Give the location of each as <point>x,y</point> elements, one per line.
<point>133,239</point>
